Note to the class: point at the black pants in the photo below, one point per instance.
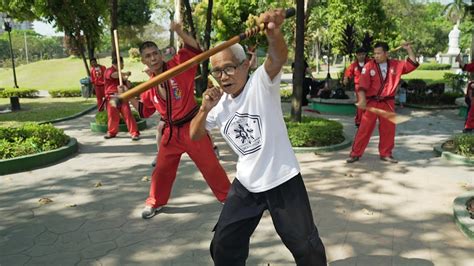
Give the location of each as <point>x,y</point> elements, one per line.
<point>289,208</point>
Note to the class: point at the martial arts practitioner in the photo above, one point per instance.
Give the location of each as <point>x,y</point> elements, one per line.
<point>377,88</point>
<point>249,116</point>
<point>174,100</point>
<point>112,90</point>
<point>469,124</point>
<point>353,72</point>
<point>97,78</point>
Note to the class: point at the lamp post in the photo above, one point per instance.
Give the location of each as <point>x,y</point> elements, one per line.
<point>14,101</point>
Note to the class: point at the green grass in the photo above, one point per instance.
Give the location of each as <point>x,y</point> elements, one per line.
<point>43,109</point>
<point>62,73</point>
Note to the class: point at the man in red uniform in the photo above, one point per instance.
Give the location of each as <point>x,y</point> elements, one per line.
<point>111,90</point>
<point>377,88</point>
<point>174,100</point>
<point>97,77</point>
<point>353,72</point>
<point>469,124</point>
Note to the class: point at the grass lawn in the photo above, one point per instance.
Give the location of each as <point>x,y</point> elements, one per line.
<point>42,109</point>
<point>59,73</point>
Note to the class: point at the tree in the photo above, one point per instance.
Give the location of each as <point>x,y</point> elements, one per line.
<point>317,32</point>
<point>298,73</point>
<point>364,15</point>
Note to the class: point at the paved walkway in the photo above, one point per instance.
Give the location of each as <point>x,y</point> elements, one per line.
<point>368,213</point>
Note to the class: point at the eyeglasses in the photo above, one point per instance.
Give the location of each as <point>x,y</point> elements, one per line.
<point>228,70</point>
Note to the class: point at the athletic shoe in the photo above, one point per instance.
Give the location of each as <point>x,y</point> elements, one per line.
<point>352,159</point>
<point>389,159</point>
<point>135,138</point>
<point>109,136</point>
<point>148,212</point>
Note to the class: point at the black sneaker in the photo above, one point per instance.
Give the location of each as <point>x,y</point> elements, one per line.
<point>154,162</point>
<point>148,212</point>
<point>108,136</point>
<point>468,130</point>
<point>352,159</point>
<point>216,151</point>
<point>135,138</point>
<point>389,159</point>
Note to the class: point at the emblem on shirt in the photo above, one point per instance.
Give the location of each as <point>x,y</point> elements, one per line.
<point>356,68</point>
<point>372,72</point>
<point>177,93</point>
<point>392,71</point>
<point>244,132</point>
<point>363,70</point>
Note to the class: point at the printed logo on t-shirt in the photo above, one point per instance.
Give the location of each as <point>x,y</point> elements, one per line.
<point>244,132</point>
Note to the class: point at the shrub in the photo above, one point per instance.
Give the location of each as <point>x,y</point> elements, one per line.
<point>101,118</point>
<point>449,97</point>
<point>434,66</point>
<point>416,84</point>
<point>456,81</point>
<point>286,95</point>
<point>314,132</point>
<point>59,93</point>
<point>30,138</point>
<point>22,93</point>
<point>134,54</point>
<point>464,144</point>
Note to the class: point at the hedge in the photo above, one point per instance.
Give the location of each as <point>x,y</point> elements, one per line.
<point>434,66</point>
<point>22,93</point>
<point>464,145</point>
<point>60,93</point>
<point>30,138</point>
<point>101,118</point>
<point>314,132</point>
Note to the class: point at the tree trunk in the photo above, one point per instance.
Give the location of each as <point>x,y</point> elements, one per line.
<point>171,32</point>
<point>189,18</point>
<point>298,74</point>
<point>90,47</point>
<point>318,52</point>
<point>113,21</point>
<point>472,53</point>
<point>207,43</point>
<point>79,44</point>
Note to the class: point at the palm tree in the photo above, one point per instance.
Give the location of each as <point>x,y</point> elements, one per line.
<point>455,11</point>
<point>317,32</point>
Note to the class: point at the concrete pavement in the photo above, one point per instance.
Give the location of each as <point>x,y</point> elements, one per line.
<point>368,213</point>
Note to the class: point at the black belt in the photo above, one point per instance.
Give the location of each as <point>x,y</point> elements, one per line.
<point>380,98</point>
<point>180,122</point>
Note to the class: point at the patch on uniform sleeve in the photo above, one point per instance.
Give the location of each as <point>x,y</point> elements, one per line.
<point>372,72</point>
<point>363,70</point>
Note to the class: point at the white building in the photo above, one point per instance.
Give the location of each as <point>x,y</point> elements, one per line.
<point>25,25</point>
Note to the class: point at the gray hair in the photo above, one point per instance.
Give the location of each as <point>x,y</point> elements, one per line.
<point>237,51</point>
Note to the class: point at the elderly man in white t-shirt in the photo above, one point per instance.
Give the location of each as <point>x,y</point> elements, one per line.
<point>247,111</point>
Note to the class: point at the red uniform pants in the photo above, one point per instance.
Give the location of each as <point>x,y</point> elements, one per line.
<point>201,152</point>
<point>359,112</point>
<point>470,117</point>
<point>114,119</point>
<point>99,94</point>
<point>367,125</point>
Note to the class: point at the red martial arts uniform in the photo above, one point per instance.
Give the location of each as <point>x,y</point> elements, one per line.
<point>469,94</point>
<point>97,78</point>
<point>113,113</point>
<point>380,93</point>
<point>353,71</point>
<point>177,110</point>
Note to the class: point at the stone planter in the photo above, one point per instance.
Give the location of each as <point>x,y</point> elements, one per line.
<point>449,156</point>
<point>28,162</point>
<point>122,127</point>
<point>333,106</point>
<point>461,214</point>
<point>340,146</point>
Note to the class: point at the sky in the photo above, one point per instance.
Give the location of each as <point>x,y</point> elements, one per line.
<point>45,29</point>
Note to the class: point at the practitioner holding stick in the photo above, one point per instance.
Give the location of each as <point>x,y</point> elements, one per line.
<point>377,88</point>
<point>114,86</point>
<point>249,116</point>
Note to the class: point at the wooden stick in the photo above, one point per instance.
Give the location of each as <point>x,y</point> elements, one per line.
<point>117,54</point>
<point>398,47</point>
<point>191,62</point>
<point>390,116</point>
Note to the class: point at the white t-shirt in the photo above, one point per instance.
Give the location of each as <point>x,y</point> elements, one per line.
<point>253,125</point>
<point>383,69</point>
